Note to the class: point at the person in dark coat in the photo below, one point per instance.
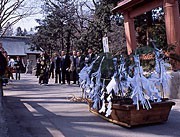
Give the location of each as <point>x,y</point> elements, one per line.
<point>3,66</point>
<point>18,66</point>
<point>38,68</point>
<point>57,65</point>
<point>80,61</point>
<point>3,63</point>
<point>42,71</point>
<point>91,56</point>
<point>65,67</point>
<point>44,68</point>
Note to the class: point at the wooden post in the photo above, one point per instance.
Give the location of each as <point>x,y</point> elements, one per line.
<point>171,19</point>
<point>130,33</point>
<point>171,11</point>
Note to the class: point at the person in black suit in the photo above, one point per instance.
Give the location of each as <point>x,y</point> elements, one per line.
<point>91,56</point>
<point>57,65</point>
<point>65,66</point>
<point>18,66</point>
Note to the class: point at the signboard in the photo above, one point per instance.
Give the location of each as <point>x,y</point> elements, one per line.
<point>105,44</point>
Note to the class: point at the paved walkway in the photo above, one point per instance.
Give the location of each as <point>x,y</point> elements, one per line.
<point>34,110</point>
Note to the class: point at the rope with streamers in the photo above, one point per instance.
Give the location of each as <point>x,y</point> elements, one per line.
<point>84,76</point>
<point>139,83</point>
<point>95,93</point>
<point>160,76</point>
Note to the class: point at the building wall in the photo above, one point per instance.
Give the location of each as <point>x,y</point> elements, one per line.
<point>32,58</point>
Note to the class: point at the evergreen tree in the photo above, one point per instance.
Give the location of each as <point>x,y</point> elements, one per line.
<point>56,31</point>
<point>24,32</point>
<point>19,31</point>
<point>68,27</point>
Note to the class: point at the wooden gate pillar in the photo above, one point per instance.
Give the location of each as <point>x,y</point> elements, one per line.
<point>130,33</point>
<point>171,11</point>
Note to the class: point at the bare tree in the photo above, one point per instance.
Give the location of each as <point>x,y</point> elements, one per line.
<point>13,11</point>
<point>9,30</point>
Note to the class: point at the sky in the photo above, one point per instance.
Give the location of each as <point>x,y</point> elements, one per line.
<point>28,23</point>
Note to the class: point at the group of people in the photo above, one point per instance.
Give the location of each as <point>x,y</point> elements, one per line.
<point>63,67</point>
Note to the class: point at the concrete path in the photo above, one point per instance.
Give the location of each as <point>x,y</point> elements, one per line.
<point>34,110</point>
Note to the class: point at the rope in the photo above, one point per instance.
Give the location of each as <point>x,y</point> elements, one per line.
<point>73,98</point>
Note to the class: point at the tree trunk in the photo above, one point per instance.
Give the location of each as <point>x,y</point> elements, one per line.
<point>68,40</point>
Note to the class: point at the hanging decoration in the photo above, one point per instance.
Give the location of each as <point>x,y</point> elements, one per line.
<point>139,88</point>
<point>139,84</point>
<point>84,76</point>
<point>160,76</point>
<point>96,85</point>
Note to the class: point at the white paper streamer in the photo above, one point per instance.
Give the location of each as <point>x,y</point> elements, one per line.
<point>84,76</point>
<point>113,85</point>
<point>123,76</point>
<point>160,76</point>
<point>139,83</point>
<point>109,107</point>
<point>103,107</point>
<point>95,93</point>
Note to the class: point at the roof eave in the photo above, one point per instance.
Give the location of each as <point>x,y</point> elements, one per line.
<point>125,5</point>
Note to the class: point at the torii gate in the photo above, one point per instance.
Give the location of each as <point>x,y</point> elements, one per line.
<point>133,8</point>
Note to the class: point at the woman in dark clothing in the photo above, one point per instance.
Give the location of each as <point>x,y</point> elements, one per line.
<point>65,67</point>
<point>44,69</point>
<point>38,68</point>
<point>51,68</point>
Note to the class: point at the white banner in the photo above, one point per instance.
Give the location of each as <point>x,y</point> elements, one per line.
<point>105,44</point>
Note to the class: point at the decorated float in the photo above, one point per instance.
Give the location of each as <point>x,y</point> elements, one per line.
<point>118,90</point>
<point>131,97</point>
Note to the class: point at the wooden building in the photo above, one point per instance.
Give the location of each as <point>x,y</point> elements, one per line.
<point>20,46</point>
<point>132,8</point>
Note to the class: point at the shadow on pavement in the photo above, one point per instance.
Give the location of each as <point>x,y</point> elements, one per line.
<point>41,122</point>
<point>27,116</point>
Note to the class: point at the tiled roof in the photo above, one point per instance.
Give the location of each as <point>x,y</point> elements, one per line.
<point>17,46</point>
